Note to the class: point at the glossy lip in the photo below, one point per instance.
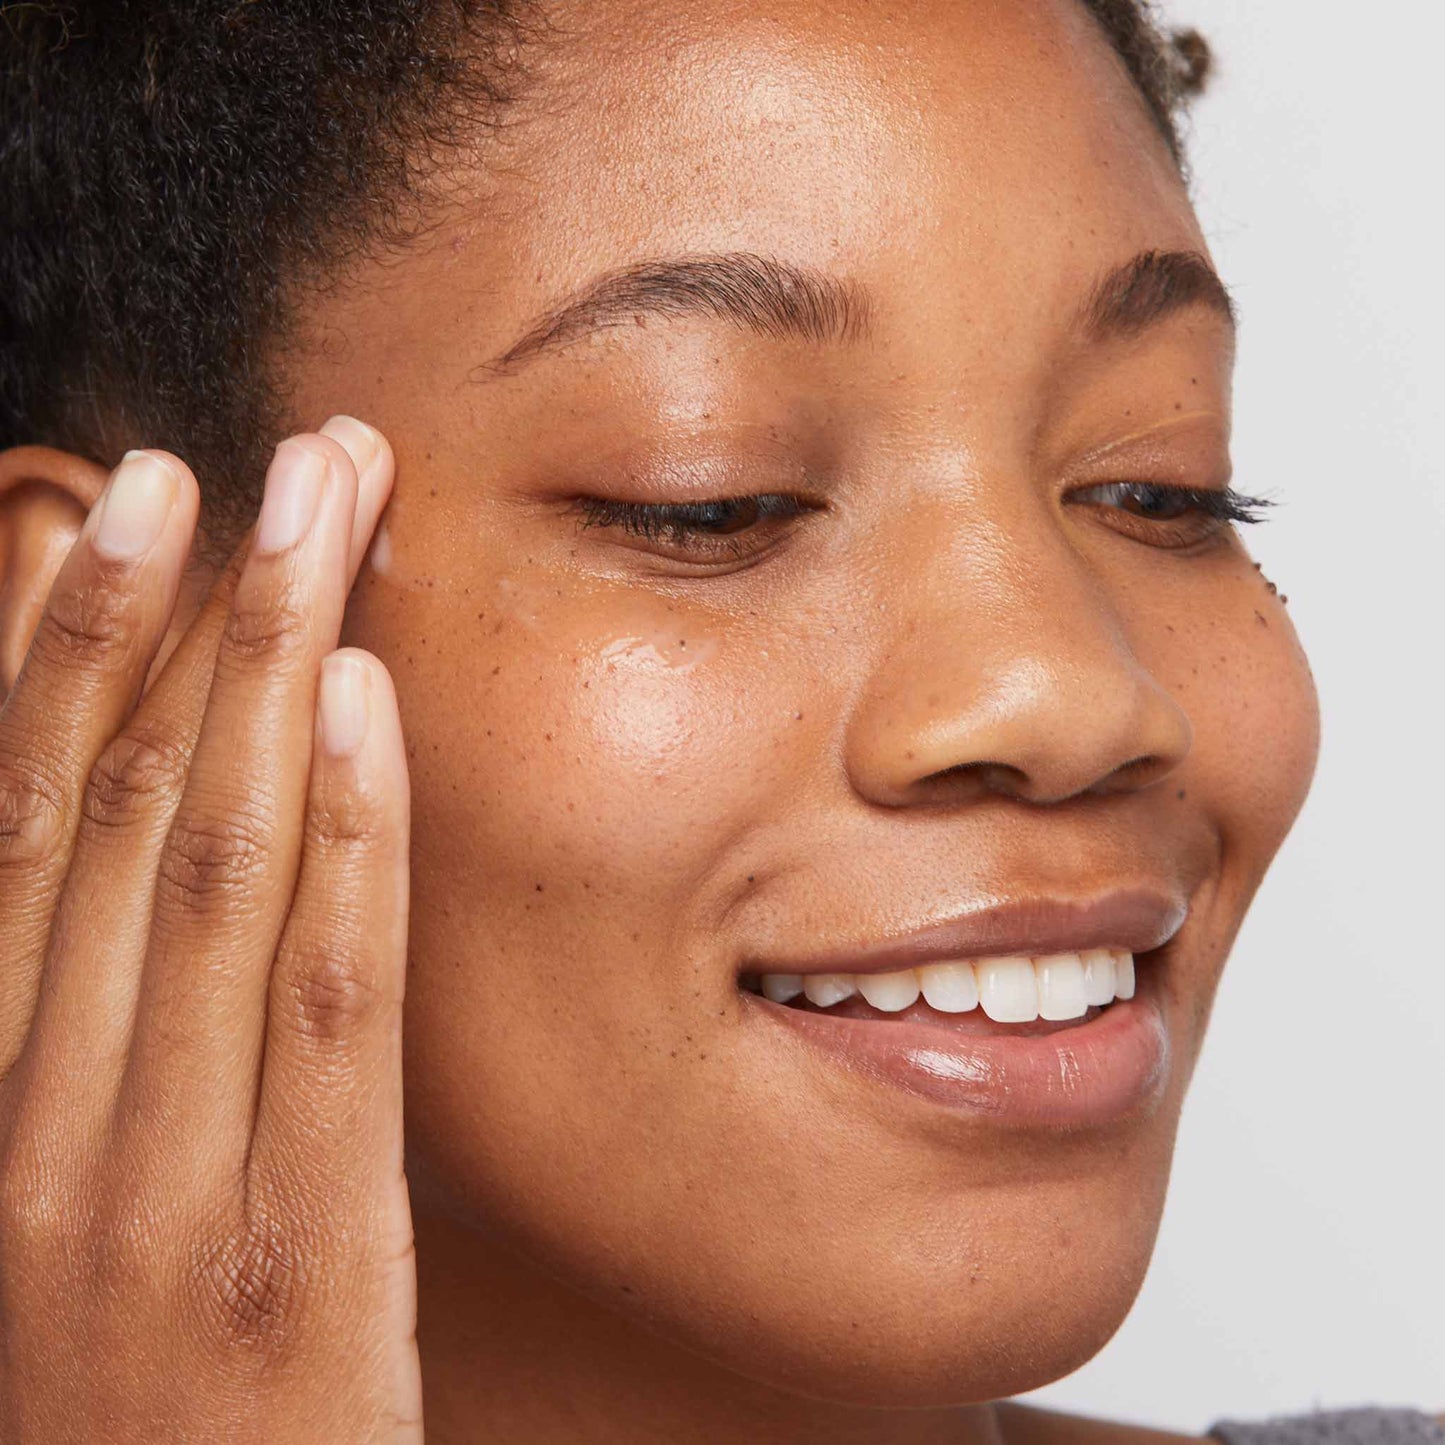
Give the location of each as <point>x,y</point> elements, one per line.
<point>1084,1076</point>
<point>1134,920</point>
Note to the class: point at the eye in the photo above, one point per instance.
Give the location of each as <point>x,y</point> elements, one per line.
<point>1166,516</point>
<point>713,530</point>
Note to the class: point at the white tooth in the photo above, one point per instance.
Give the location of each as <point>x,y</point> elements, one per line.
<point>951,988</point>
<point>826,989</point>
<point>1007,989</point>
<point>1061,986</point>
<point>1123,975</point>
<point>889,991</point>
<point>780,987</point>
<point>1098,976</point>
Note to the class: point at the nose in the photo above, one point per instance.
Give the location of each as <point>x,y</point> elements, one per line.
<point>1008,674</point>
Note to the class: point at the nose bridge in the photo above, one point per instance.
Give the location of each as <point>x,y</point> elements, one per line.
<point>1007,665</point>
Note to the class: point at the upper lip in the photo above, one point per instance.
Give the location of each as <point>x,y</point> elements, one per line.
<point>1137,920</point>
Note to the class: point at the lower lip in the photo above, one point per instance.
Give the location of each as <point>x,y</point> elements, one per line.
<point>1087,1075</point>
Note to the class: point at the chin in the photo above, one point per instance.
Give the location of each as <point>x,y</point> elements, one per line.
<point>974,1342</point>
<point>961,1311</point>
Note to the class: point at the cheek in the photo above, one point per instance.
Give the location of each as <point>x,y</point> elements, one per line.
<point>617,738</point>
<point>1230,655</point>
<point>1256,714</point>
<point>582,765</point>
<point>582,772</point>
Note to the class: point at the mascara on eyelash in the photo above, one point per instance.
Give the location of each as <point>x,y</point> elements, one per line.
<point>1238,507</point>
<point>1221,504</point>
<point>680,521</point>
<point>1229,505</point>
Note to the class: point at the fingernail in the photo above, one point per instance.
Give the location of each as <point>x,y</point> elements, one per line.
<point>293,489</point>
<point>344,705</point>
<point>360,441</point>
<point>135,506</point>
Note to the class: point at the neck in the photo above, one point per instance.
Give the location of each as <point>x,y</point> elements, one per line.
<point>508,1353</point>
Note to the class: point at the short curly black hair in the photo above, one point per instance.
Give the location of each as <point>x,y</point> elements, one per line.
<point>169,168</point>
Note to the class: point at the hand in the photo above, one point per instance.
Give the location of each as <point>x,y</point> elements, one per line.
<point>204,1228</point>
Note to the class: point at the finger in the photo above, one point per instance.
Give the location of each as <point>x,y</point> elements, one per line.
<point>228,865</point>
<point>181,687</point>
<point>329,1122</point>
<point>81,1032</point>
<point>375,471</point>
<point>183,684</point>
<point>104,621</point>
<point>83,1026</point>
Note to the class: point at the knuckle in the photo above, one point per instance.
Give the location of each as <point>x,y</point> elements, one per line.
<point>248,1287</point>
<point>262,631</point>
<point>328,998</point>
<point>37,1213</point>
<point>208,861</point>
<point>89,625</point>
<point>126,1243</point>
<point>135,771</point>
<point>33,813</point>
<point>343,814</point>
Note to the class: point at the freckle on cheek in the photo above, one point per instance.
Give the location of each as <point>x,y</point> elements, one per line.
<point>389,567</point>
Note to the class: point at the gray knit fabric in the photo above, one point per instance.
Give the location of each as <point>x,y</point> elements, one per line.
<point>1334,1427</point>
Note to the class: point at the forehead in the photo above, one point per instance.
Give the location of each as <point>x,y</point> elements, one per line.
<point>837,130</point>
<point>976,164</point>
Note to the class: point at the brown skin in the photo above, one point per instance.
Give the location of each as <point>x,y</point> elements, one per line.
<point>636,1217</point>
<point>203,909</point>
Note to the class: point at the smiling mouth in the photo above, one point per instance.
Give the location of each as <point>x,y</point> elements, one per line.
<point>1027,996</point>
<point>1015,1038</point>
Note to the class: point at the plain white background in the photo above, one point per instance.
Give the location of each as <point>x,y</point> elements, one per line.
<point>1302,1259</point>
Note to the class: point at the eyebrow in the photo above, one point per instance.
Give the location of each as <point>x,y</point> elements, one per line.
<point>758,293</point>
<point>782,301</point>
<point>1151,288</point>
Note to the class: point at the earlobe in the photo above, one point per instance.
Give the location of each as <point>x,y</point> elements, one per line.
<point>45,495</point>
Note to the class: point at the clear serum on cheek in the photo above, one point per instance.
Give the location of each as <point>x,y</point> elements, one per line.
<point>660,649</point>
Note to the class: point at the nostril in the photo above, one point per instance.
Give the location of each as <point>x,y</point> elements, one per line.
<point>1137,773</point>
<point>981,778</point>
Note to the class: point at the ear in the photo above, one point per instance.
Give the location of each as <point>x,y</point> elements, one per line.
<point>45,495</point>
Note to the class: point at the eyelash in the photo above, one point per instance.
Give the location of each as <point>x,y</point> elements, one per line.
<point>1217,504</point>
<point>685,524</point>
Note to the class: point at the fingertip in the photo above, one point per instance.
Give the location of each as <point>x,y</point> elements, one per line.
<point>184,475</point>
<point>188,489</point>
<point>377,675</point>
<point>375,465</point>
<point>369,449</point>
<point>362,769</point>
<point>356,702</point>
<point>340,461</point>
<point>147,493</point>
<point>379,678</point>
<point>343,703</point>
<point>370,454</point>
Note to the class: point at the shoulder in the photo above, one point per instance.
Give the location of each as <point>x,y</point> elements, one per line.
<point>1027,1425</point>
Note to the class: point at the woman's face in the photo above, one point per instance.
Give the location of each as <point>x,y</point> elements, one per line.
<point>952,682</point>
